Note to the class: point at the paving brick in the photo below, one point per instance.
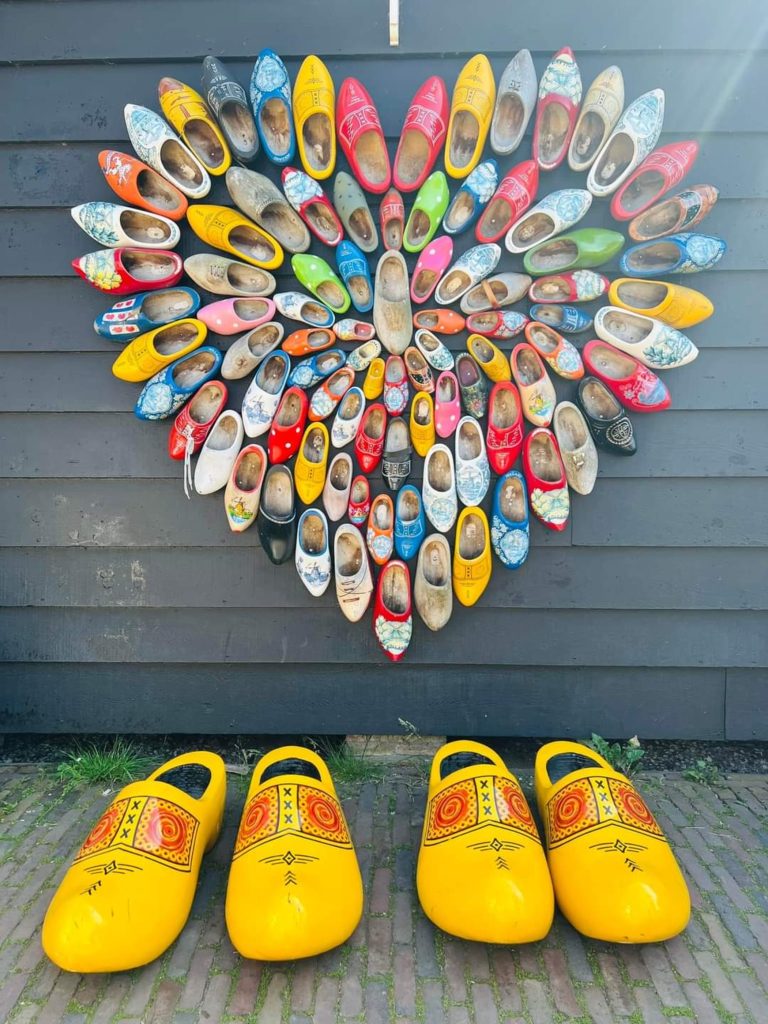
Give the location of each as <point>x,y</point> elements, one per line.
<point>405,869</point>
<point>662,975</point>
<point>352,989</point>
<point>728,953</point>
<point>12,987</point>
<point>484,1003</point>
<point>701,1004</point>
<point>722,989</point>
<point>404,978</point>
<point>540,1009</point>
<point>243,999</point>
<point>272,1008</point>
<point>454,973</point>
<point>476,959</point>
<point>378,902</point>
<point>215,998</point>
<point>752,994</point>
<point>619,995</point>
<point>56,1004</point>
<point>426,957</point>
<point>111,998</point>
<point>560,982</point>
<point>528,958</point>
<point>633,962</point>
<point>184,948</point>
<point>326,1000</point>
<point>376,1003</point>
<point>164,1003</point>
<point>578,964</point>
<point>733,922</point>
<point>197,976</point>
<point>650,1006</point>
<point>503,968</point>
<point>458,1015</point>
<point>402,928</point>
<point>759,964</point>
<point>379,945</point>
<point>598,1010</point>
<point>303,985</point>
<point>432,998</point>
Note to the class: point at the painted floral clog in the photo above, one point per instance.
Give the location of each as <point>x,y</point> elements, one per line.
<point>369,440</point>
<point>438,491</point>
<point>426,213</point>
<point>218,454</point>
<point>633,384</point>
<point>555,350</point>
<point>229,316</point>
<point>510,521</point>
<point>493,323</point>
<point>223,276</point>
<point>395,386</point>
<point>317,276</point>
<point>313,206</point>
<point>472,385</point>
<point>658,173</point>
<point>313,113</point>
<point>158,348</point>
<point>373,385</point>
<point>352,570</point>
<point>489,358</point>
<point>472,198</point>
<point>309,372</point>
<point>246,353</point>
<point>392,303</point>
<point>188,114</point>
<point>515,102</point>
<point>609,424</point>
<point>422,425</point>
<point>600,111</point>
<point>229,104</point>
<point>380,531</point>
<point>447,403</point>
<point>674,254</point>
<point>360,358</point>
<point>330,393</point>
<point>566,319</point>
<point>417,367</point>
<point>512,198</point>
<point>432,263</point>
<point>361,136</point>
<point>473,473</point>
<point>439,321</point>
<point>166,392</point>
<point>468,270</point>
<point>270,90</point>
<point>537,393</point>
<point>354,330</point>
<point>137,184</point>
<point>650,341</point>
<point>671,303</point>
<point>352,207</point>
<point>227,229</point>
<point>470,118</point>
<point>577,286</point>
<point>196,419</point>
<point>432,589</point>
<point>145,311</point>
<point>422,136</point>
<point>557,109</point>
<point>115,226</point>
<point>392,219</point>
<point>410,522</point>
<point>356,275</point>
<point>675,214</point>
<point>347,419</point>
<point>276,518</point>
<point>126,271</point>
<point>577,449</point>
<point>304,308</point>
<point>546,480</point>
<point>243,490</point>
<point>554,214</point>
<point>392,616</point>
<point>312,462</point>
<point>578,250</point>
<point>630,142</point>
<point>288,426</point>
<point>338,484</point>
<point>261,200</point>
<point>264,392</point>
<point>313,556</point>
<point>472,563</point>
<point>504,436</point>
<point>494,292</point>
<point>396,459</point>
<point>359,501</point>
<point>165,153</point>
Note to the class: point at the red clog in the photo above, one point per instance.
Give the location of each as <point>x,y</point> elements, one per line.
<point>545,476</point>
<point>308,340</point>
<point>511,199</point>
<point>288,425</point>
<point>361,136</point>
<point>369,440</point>
<point>635,386</point>
<point>392,615</point>
<point>138,185</point>
<point>423,134</point>
<point>392,219</point>
<point>194,422</point>
<point>359,501</point>
<point>557,109</point>
<point>125,271</point>
<point>661,170</point>
<point>575,286</point>
<point>504,437</point>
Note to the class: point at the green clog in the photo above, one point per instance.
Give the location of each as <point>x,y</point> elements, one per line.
<point>431,203</point>
<point>577,250</point>
<point>317,277</point>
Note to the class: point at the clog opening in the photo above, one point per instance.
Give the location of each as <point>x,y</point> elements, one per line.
<point>588,139</point>
<point>532,229</point>
<point>512,500</point>
<point>643,294</point>
<point>395,589</point>
<point>192,779</point>
<point>412,157</point>
<point>529,367</point>
<point>250,471</point>
<point>314,313</point>
<point>275,123</point>
<point>415,361</point>
<point>319,339</point>
<point>290,766</point>
<point>553,316</point>
<point>555,255</point>
<point>484,322</point>
<point>348,547</point>
<point>471,537</point>
<point>553,290</point>
<point>508,120</point>
<point>330,293</point>
<point>363,332</point>
<point>319,216</point>
<point>238,125</point>
<point>418,228</point>
<point>613,363</point>
<point>271,373</point>
<point>204,143</point>
<point>467,370</point>
<point>205,403</point>
<point>224,434</point>
<point>167,305</point>
<point>397,436</point>
<point>435,564</point>
<point>372,159</point>
<point>645,188</point>
<point>381,512</point>
<point>360,289</point>
<point>446,389</point>
<point>393,233</point>
<point>465,131</point>
<point>361,491</point>
<point>453,284</point>
<point>395,370</point>
<point>361,225</point>
<point>429,341</point>
<point>393,279</point>
<point>423,283</point>
<point>482,350</point>
<point>559,766</point>
<point>613,161</point>
<point>375,423</point>
<point>341,470</point>
<point>660,220</point>
<point>285,224</point>
<point>289,412</point>
<point>504,409</point>
<point>174,338</point>
<point>440,471</point>
<point>144,228</point>
<point>182,169</point>
<point>250,309</point>
<point>544,338</point>
<point>422,412</point>
<point>571,430</point>
<point>598,401</point>
<point>553,133</point>
<point>470,441</point>
<point>251,243</point>
<point>313,535</point>
<point>495,218</point>
<point>627,327</point>
<point>264,338</point>
<point>156,190</point>
<point>408,506</point>
<point>190,371</point>
<point>277,494</point>
<point>544,459</point>
<point>313,448</point>
<point>460,211</point>
<point>340,382</point>
<point>658,258</point>
<point>148,266</point>
<point>247,279</point>
<point>479,298</point>
<point>317,133</point>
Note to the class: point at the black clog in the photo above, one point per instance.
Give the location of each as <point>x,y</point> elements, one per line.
<point>608,422</point>
<point>229,104</point>
<point>276,518</point>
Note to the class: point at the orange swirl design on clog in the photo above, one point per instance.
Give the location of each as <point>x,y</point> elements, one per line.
<point>149,826</point>
<point>594,803</point>
<point>487,800</point>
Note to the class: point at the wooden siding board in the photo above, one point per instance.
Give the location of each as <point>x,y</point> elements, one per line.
<point>746,706</point>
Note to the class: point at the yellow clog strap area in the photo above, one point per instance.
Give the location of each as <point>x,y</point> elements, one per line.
<point>458,747</point>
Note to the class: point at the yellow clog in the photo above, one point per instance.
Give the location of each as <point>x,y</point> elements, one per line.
<point>313,115</point>
<point>471,556</point>
<point>482,873</point>
<point>489,358</point>
<point>471,110</point>
<point>294,886</point>
<point>615,876</point>
<point>187,112</point>
<point>151,352</point>
<point>129,891</point>
<point>423,423</point>
<point>312,462</point>
<point>227,229</point>
<point>373,385</point>
<point>673,304</point>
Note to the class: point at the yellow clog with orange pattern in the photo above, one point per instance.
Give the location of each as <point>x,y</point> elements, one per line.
<point>187,112</point>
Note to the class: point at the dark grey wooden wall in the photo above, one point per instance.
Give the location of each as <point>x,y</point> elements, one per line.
<point>125,607</point>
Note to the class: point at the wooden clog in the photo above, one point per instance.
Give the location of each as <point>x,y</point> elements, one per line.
<point>392,219</point>
<point>145,311</point>
<point>630,142</point>
<point>546,480</point>
<point>261,400</point>
<point>515,102</point>
<point>577,286</point>
<point>229,104</point>
<point>510,522</point>
<point>439,321</point>
<point>317,276</point>
<point>126,271</point>
<point>472,562</point>
<point>430,267</point>
<point>270,90</point>
<point>422,135</point>
<point>196,420</point>
<point>600,111</point>
<point>224,276</point>
<point>555,350</point>
<point>558,107</point>
<point>243,490</point>
<point>494,292</point>
<point>651,342</point>
<point>490,359</point>
<point>361,136</point>
<point>352,207</point>
<point>115,226</point>
<point>338,484</point>
<point>426,213</point>
<point>150,352</point>
<point>432,589</point>
<point>566,319</point>
<point>514,195</point>
<point>137,184</point>
<point>380,531</point>
<point>313,112</point>
<point>581,249</point>
<point>313,206</point>
<point>636,387</point>
<point>304,308</point>
<point>218,454</point>
<point>664,168</point>
<point>392,303</point>
<point>162,149</point>
<point>276,518</point>
<point>354,582</point>
<point>313,555</point>
<point>470,118</point>
<point>247,353</point>
<point>686,253</point>
<point>469,269</point>
<point>312,462</point>
<point>356,275</point>
<point>186,111</point>
<point>166,392</point>
<point>472,198</point>
<point>496,323</point>
<point>227,229</point>
<point>261,201</point>
<point>536,390</point>
<point>554,214</point>
<point>672,303</point>
<point>577,449</point>
<point>308,341</point>
<point>675,214</point>
<point>392,616</point>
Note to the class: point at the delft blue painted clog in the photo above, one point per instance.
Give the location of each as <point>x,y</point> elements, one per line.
<point>472,198</point>
<point>410,522</point>
<point>565,319</point>
<point>676,254</point>
<point>164,394</point>
<point>356,275</point>
<point>510,530</point>
<point>145,311</point>
<point>271,101</point>
<point>311,371</point>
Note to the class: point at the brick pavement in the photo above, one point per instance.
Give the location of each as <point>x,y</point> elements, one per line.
<point>397,968</point>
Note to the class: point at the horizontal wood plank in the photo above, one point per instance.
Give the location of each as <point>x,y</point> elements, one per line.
<point>746,708</point>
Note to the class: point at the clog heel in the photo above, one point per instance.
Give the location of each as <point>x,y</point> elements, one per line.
<point>482,874</point>
<point>130,888</point>
<point>295,888</point>
<point>615,876</point>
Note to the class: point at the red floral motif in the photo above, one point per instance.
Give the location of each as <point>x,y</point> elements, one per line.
<point>166,831</point>
<point>321,816</point>
<point>587,804</point>
<point>103,832</point>
<point>513,807</point>
<point>259,820</point>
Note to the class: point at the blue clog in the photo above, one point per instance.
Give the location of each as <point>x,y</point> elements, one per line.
<point>271,101</point>
<point>410,522</point>
<point>472,198</point>
<point>311,371</point>
<point>686,253</point>
<point>510,521</point>
<point>356,275</point>
<point>142,312</point>
<point>164,394</point>
<point>565,319</point>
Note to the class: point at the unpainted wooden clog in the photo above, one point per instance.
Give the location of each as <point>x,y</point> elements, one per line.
<point>262,201</point>
<point>601,109</point>
<point>223,276</point>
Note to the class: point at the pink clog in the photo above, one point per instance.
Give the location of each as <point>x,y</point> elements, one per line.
<point>432,264</point>
<point>233,316</point>
<point>447,404</point>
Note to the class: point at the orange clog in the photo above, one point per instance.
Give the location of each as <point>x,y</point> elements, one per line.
<point>138,185</point>
<point>439,321</point>
<point>308,340</point>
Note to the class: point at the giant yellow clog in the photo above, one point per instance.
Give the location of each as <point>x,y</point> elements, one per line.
<point>188,114</point>
<point>615,876</point>
<point>471,110</point>
<point>482,873</point>
<point>294,886</point>
<point>130,888</point>
<point>673,304</point>
<point>227,229</point>
<point>158,348</point>
<point>313,114</point>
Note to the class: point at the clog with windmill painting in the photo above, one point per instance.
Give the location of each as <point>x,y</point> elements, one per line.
<point>243,490</point>
<point>313,555</point>
<point>687,253</point>
<point>651,342</point>
<point>537,392</point>
<point>630,142</point>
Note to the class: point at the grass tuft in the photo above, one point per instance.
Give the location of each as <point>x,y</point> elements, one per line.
<point>86,765</point>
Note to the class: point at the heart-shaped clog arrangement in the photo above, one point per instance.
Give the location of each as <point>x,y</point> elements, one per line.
<point>399,387</point>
